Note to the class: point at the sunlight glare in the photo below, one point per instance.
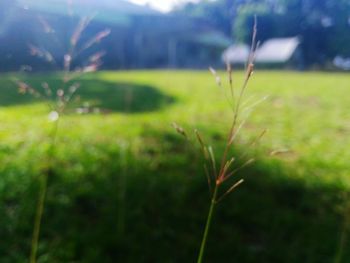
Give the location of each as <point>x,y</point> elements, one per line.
<point>162,5</point>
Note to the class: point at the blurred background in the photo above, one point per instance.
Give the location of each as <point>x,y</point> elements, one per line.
<point>89,92</point>
<point>183,34</point>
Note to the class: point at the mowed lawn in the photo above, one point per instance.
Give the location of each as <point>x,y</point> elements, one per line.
<point>128,188</point>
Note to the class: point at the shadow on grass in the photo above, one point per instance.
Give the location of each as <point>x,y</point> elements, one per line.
<point>123,203</point>
<point>103,95</point>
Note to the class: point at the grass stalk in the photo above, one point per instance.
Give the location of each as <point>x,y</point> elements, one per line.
<point>224,173</point>
<point>57,107</point>
<point>340,250</point>
<point>343,235</point>
<point>42,196</point>
<point>122,183</point>
<point>207,225</point>
<point>38,218</point>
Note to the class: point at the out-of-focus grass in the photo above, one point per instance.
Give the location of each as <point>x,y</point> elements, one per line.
<point>127,187</point>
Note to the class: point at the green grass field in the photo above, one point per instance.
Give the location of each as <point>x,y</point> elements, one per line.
<point>127,188</point>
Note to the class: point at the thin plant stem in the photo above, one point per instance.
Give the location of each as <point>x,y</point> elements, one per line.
<point>340,251</point>
<point>221,175</point>
<point>207,225</point>
<point>122,180</point>
<point>343,236</point>
<point>38,217</point>
<point>58,108</point>
<point>42,196</point>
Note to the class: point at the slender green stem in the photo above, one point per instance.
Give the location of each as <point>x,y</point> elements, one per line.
<point>42,197</point>
<point>207,225</point>
<point>339,255</point>
<point>343,236</point>
<point>38,217</point>
<point>122,182</point>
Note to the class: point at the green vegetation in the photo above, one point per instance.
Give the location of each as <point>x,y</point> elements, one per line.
<point>126,187</point>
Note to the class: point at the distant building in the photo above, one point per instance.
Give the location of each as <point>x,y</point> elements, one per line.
<point>236,54</point>
<point>198,49</point>
<point>275,52</point>
<point>341,63</point>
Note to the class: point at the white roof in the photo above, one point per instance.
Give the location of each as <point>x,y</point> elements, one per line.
<point>342,63</point>
<point>275,50</point>
<point>236,54</point>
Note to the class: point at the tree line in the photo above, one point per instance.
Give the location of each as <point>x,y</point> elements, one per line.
<point>322,25</point>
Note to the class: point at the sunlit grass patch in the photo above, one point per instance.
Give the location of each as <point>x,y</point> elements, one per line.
<point>289,210</point>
